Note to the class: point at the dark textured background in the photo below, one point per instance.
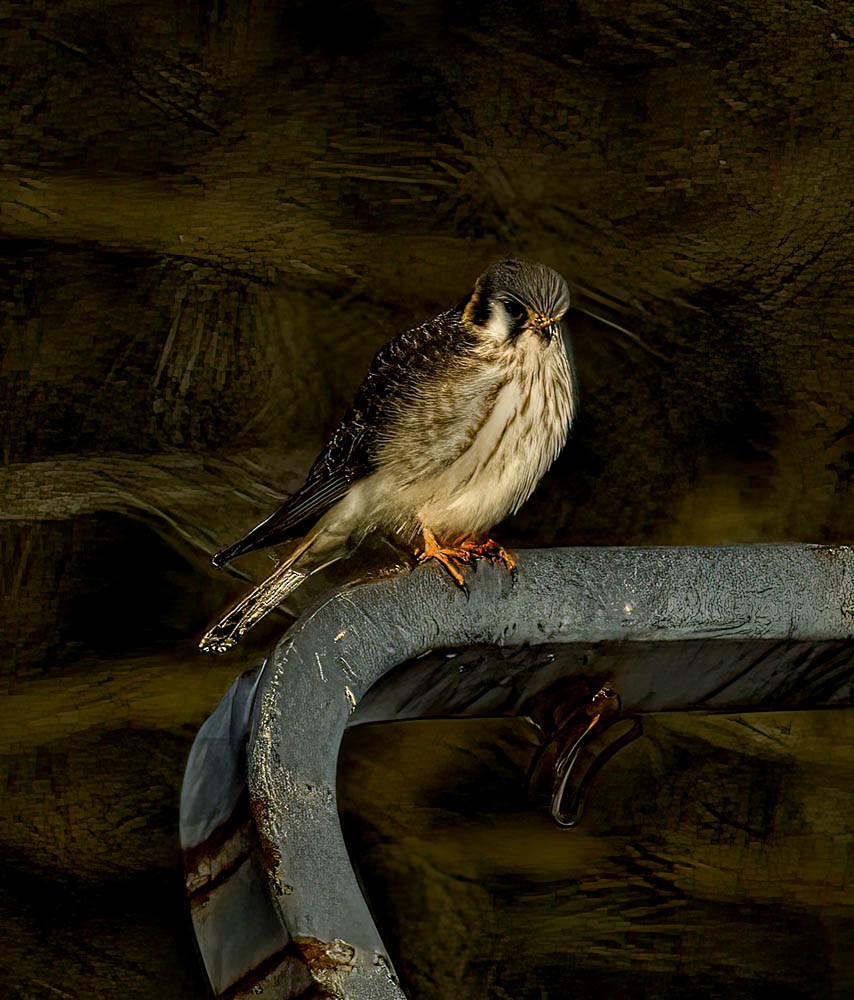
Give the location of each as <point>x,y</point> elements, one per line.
<point>213,214</point>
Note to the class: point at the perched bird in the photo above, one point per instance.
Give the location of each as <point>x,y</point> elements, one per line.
<point>453,427</point>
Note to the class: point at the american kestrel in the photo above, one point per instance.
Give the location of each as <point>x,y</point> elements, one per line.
<point>453,427</point>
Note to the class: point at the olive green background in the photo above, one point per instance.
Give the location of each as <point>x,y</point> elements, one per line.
<point>213,214</point>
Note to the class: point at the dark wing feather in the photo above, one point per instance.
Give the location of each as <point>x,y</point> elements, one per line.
<point>350,453</point>
<point>301,509</point>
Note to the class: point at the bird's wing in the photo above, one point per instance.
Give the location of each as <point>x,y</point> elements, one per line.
<point>350,453</point>
<point>298,512</point>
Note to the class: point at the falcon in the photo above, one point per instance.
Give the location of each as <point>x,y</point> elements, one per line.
<point>454,425</point>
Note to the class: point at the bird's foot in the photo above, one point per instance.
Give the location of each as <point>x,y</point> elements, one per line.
<point>492,551</point>
<point>452,557</point>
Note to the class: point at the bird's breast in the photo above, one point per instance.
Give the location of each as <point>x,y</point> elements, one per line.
<point>517,439</point>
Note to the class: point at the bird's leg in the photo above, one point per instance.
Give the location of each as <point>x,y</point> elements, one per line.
<point>489,549</point>
<point>450,556</point>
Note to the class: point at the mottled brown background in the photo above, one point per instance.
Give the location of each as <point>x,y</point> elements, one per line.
<point>213,213</point>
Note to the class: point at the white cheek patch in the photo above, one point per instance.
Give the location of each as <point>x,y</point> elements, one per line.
<point>498,326</point>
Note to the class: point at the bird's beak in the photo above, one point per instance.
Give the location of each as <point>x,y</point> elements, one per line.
<point>551,331</point>
<point>546,326</point>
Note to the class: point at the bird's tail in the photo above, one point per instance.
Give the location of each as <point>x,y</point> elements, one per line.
<point>254,606</point>
<point>316,552</point>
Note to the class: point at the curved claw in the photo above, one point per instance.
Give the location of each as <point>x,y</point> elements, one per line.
<point>490,550</point>
<point>466,552</point>
<point>452,557</point>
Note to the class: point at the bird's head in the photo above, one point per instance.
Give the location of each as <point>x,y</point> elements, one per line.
<point>515,298</point>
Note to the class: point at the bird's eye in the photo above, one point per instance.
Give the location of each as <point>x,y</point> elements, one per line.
<point>515,310</point>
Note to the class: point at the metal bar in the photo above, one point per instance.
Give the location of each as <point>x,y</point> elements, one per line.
<point>781,597</point>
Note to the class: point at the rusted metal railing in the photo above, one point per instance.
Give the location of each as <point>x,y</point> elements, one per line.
<point>274,899</point>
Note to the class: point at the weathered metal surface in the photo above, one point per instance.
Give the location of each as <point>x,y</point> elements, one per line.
<point>536,681</point>
<point>677,628</point>
<point>242,939</point>
<point>214,778</point>
<point>254,932</point>
<point>321,671</point>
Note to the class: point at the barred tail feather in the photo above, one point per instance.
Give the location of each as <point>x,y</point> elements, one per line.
<point>257,603</point>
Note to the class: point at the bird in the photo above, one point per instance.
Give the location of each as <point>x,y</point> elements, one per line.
<point>454,425</point>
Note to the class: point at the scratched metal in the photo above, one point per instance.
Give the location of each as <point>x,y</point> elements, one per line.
<point>772,619</point>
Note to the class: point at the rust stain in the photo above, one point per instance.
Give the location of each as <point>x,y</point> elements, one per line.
<point>269,851</point>
<point>329,962</point>
<point>328,956</point>
<point>209,874</point>
<point>263,977</point>
<point>552,708</point>
<point>605,702</point>
<point>204,856</point>
<point>223,849</point>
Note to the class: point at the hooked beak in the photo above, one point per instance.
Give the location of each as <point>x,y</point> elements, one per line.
<point>552,331</point>
<point>546,326</point>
